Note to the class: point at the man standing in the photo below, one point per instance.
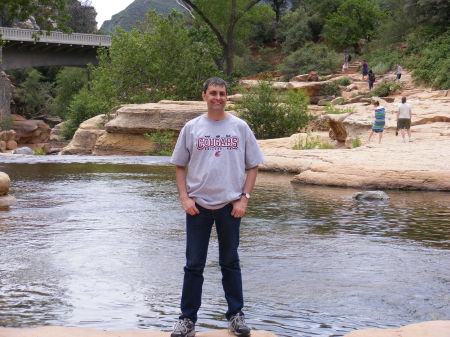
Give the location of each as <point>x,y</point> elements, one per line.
<point>212,155</point>
<point>404,115</point>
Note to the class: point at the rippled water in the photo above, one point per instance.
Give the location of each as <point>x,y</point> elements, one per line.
<point>99,242</point>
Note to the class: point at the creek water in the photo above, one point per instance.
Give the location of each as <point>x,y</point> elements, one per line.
<point>99,242</point>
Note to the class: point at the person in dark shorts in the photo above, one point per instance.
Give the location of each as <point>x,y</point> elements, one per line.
<point>404,115</point>
<point>399,72</point>
<point>380,120</point>
<point>371,79</point>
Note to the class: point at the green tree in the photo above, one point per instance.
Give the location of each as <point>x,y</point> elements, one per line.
<point>278,6</point>
<point>271,114</point>
<point>294,30</point>
<point>223,22</point>
<point>46,12</point>
<point>69,81</point>
<point>354,20</point>
<point>431,12</point>
<point>33,96</point>
<point>311,57</point>
<point>164,59</point>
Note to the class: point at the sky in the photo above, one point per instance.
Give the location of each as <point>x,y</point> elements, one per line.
<point>107,8</point>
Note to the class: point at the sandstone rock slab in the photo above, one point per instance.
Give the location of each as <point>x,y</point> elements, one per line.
<point>122,144</point>
<point>425,329</point>
<point>144,118</point>
<point>52,331</point>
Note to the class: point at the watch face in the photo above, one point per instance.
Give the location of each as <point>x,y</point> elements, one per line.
<point>246,195</point>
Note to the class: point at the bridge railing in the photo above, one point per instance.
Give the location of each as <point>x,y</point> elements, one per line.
<point>28,35</point>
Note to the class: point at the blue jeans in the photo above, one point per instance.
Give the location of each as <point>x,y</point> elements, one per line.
<point>198,231</point>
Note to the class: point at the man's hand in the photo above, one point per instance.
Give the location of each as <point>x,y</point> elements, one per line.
<point>239,207</point>
<point>189,206</point>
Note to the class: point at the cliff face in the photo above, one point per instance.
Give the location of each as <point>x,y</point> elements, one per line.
<point>136,11</point>
<point>5,96</point>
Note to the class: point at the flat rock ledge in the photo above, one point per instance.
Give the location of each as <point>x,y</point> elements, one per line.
<point>425,329</point>
<point>53,331</point>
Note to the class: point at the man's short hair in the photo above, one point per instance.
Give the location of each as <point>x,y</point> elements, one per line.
<point>403,99</point>
<point>214,81</point>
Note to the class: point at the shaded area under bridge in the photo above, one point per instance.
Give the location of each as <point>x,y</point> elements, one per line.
<point>21,48</point>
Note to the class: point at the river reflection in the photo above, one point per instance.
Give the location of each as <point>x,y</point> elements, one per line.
<point>97,242</point>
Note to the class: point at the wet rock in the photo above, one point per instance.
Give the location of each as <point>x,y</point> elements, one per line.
<point>4,183</point>
<point>7,201</point>
<point>370,195</point>
<point>23,150</point>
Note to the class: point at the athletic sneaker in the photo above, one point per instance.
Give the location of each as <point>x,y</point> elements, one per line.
<point>411,139</point>
<point>184,328</point>
<point>238,326</point>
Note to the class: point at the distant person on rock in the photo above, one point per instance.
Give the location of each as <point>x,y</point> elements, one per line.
<point>365,70</point>
<point>399,72</point>
<point>378,124</point>
<point>345,65</point>
<point>404,116</point>
<point>217,159</point>
<point>371,79</point>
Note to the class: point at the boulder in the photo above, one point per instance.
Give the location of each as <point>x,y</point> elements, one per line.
<point>23,150</point>
<point>11,145</point>
<point>370,195</point>
<point>6,201</point>
<point>144,118</point>
<point>7,135</point>
<point>122,144</point>
<point>300,78</point>
<point>425,329</point>
<point>85,138</point>
<point>31,131</point>
<point>338,101</point>
<point>4,183</point>
<point>2,146</point>
<point>56,133</point>
<point>313,77</point>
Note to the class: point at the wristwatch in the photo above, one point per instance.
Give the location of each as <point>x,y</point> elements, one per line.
<point>247,195</point>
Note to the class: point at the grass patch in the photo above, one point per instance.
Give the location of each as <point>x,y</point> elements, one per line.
<point>310,142</point>
<point>332,109</point>
<point>356,142</point>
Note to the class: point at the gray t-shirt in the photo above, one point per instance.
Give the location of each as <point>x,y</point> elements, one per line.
<point>216,154</point>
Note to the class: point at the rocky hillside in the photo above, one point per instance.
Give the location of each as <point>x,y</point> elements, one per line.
<point>136,12</point>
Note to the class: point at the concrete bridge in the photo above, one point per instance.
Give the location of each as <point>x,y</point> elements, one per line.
<point>25,48</point>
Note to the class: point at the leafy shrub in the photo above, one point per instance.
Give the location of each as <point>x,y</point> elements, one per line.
<point>311,57</point>
<point>334,110</point>
<point>68,82</point>
<point>344,81</point>
<point>164,141</point>
<point>356,142</point>
<point>294,30</point>
<point>38,152</point>
<point>385,89</point>
<point>330,89</point>
<point>271,114</point>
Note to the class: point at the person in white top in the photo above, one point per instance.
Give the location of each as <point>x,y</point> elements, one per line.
<point>399,72</point>
<point>404,115</point>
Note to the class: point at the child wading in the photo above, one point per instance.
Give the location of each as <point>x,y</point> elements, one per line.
<point>380,119</point>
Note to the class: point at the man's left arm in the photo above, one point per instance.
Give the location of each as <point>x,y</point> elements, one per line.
<point>240,205</point>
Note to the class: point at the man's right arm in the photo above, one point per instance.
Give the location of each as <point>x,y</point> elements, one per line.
<point>187,203</point>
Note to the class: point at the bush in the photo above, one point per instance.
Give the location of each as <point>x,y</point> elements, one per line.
<point>68,82</point>
<point>312,57</point>
<point>294,30</point>
<point>271,114</point>
<point>164,141</point>
<point>385,89</point>
<point>344,81</point>
<point>330,89</point>
<point>356,142</point>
